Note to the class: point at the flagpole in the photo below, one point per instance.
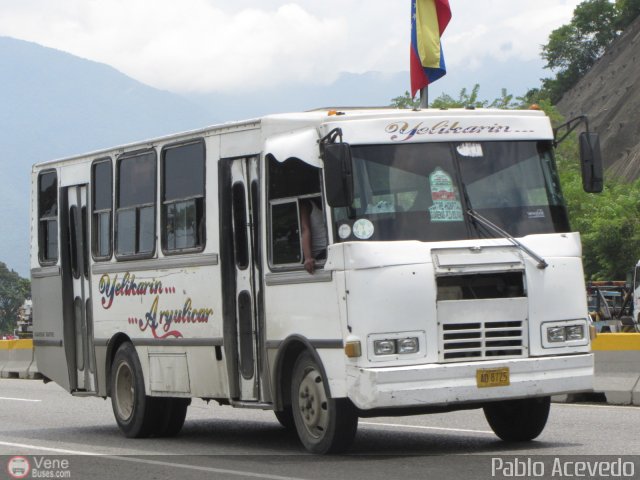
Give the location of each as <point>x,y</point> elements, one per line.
<point>424,97</point>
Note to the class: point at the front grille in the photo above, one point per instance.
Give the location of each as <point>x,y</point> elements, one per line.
<point>482,340</point>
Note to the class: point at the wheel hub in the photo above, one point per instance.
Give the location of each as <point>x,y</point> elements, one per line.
<point>124,391</point>
<point>313,403</point>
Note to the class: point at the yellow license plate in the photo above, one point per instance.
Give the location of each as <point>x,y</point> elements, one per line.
<point>492,377</point>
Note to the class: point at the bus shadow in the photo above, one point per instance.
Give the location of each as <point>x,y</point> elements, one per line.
<point>251,437</point>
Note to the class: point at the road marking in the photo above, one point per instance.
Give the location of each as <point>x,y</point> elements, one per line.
<point>152,462</point>
<point>47,449</point>
<point>420,427</point>
<point>20,399</point>
<point>617,407</point>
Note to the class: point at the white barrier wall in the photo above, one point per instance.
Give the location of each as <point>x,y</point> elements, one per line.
<point>17,359</point>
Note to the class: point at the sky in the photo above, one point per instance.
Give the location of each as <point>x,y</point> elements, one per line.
<point>216,46</point>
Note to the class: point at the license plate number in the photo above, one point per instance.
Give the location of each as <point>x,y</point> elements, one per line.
<point>492,377</point>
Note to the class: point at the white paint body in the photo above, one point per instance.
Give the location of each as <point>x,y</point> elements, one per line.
<point>366,290</point>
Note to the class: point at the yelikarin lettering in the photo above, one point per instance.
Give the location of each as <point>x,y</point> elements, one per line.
<point>402,131</point>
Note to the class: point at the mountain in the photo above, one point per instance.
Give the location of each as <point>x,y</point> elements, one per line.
<point>53,104</point>
<point>609,94</point>
<point>371,89</point>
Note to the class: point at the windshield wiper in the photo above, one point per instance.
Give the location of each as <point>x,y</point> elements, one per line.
<point>542,264</point>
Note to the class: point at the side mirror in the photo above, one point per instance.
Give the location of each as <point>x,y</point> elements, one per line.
<point>338,174</point>
<point>591,162</point>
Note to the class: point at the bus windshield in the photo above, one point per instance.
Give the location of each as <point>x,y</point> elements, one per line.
<point>423,191</point>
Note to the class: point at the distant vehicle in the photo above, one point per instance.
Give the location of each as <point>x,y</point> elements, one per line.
<point>174,268</point>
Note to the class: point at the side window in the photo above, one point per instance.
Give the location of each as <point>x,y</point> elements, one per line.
<point>183,198</point>
<point>48,217</point>
<point>294,191</point>
<point>286,248</point>
<point>135,207</point>
<point>101,208</point>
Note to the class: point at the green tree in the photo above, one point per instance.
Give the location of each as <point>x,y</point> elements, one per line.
<point>405,101</point>
<point>609,222</point>
<point>572,49</point>
<point>14,290</point>
<point>466,98</point>
<point>628,11</point>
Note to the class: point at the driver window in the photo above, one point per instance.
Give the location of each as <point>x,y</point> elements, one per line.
<point>293,190</point>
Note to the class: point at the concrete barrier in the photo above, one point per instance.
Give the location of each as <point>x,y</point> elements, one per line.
<point>617,367</point>
<point>17,359</point>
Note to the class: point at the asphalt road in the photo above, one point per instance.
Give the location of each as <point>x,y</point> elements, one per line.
<point>43,422</point>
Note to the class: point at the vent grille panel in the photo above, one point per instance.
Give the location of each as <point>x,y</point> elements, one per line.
<point>464,341</point>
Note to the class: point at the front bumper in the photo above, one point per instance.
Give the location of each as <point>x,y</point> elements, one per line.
<point>455,383</point>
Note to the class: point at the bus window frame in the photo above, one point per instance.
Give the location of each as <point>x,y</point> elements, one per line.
<point>117,209</point>
<point>163,236</point>
<point>94,225</point>
<point>41,260</point>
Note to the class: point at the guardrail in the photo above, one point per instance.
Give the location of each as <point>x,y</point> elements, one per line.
<point>617,367</point>
<point>17,359</point>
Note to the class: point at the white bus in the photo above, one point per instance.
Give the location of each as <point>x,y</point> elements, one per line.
<point>450,279</point>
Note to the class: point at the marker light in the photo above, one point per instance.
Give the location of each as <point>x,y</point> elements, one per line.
<point>353,349</point>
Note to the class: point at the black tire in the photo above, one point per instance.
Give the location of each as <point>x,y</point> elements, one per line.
<point>174,414</point>
<point>324,424</point>
<point>137,414</point>
<point>518,420</point>
<point>285,417</point>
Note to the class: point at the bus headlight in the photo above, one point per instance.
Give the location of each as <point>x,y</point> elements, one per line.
<point>572,333</point>
<point>408,345</point>
<point>556,334</point>
<point>384,347</point>
<point>401,346</point>
<point>575,332</point>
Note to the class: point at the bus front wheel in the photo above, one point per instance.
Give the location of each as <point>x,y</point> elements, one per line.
<point>323,424</point>
<point>518,420</point>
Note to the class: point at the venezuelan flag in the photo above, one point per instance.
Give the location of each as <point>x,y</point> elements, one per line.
<point>429,18</point>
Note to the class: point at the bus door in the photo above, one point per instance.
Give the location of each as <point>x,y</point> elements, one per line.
<point>82,363</point>
<point>245,202</point>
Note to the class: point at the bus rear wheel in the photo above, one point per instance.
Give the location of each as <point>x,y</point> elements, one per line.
<point>518,420</point>
<point>172,412</point>
<point>323,424</point>
<point>136,414</point>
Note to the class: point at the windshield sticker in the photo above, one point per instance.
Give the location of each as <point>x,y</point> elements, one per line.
<point>344,231</point>
<point>539,213</point>
<point>470,150</point>
<point>363,229</point>
<point>382,206</point>
<point>446,205</point>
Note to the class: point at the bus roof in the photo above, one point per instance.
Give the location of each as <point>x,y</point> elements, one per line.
<point>285,122</point>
